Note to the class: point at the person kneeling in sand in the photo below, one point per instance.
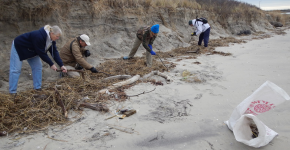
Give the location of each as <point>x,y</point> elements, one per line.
<point>146,36</point>
<point>202,28</point>
<point>73,55</point>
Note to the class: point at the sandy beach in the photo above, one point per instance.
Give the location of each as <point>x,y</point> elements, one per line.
<point>183,114</point>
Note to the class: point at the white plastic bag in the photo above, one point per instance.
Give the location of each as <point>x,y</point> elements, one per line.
<point>243,132</point>
<point>265,98</point>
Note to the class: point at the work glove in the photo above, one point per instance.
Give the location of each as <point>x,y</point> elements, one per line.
<point>193,34</point>
<point>150,46</point>
<point>87,53</point>
<point>94,70</point>
<point>78,67</point>
<point>151,52</point>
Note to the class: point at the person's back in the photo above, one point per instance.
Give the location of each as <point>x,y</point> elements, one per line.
<point>73,55</point>
<point>66,53</point>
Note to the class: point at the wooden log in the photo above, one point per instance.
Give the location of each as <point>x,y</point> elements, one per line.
<point>163,75</point>
<point>118,77</point>
<point>116,85</point>
<point>71,70</point>
<point>94,106</point>
<point>191,52</point>
<point>166,77</point>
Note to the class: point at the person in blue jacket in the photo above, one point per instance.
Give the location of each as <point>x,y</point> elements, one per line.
<point>33,46</point>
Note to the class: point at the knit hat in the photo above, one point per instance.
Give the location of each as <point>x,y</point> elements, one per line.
<point>190,22</point>
<point>155,28</point>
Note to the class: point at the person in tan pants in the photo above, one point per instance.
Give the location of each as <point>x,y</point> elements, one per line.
<point>146,36</point>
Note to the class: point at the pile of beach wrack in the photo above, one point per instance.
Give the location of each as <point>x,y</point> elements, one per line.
<point>33,110</point>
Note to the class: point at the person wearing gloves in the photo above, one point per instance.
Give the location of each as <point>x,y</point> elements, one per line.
<point>33,46</point>
<point>202,28</point>
<point>73,55</point>
<point>146,36</point>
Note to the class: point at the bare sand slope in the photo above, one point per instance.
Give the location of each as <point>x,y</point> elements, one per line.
<point>183,114</point>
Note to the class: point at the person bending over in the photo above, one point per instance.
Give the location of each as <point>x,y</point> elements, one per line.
<point>33,46</point>
<point>73,55</point>
<point>146,36</point>
<point>202,28</point>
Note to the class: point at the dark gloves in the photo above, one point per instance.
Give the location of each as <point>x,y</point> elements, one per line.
<point>78,67</point>
<point>87,53</point>
<point>94,70</point>
<point>193,34</point>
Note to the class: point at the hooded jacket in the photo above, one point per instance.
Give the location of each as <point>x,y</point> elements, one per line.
<point>200,26</point>
<point>33,43</point>
<point>75,55</point>
<point>144,35</point>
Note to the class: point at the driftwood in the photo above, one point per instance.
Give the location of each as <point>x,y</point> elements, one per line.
<point>116,85</point>
<point>140,93</point>
<point>95,106</point>
<point>195,51</point>
<point>60,102</point>
<point>118,77</point>
<point>71,70</point>
<point>157,73</point>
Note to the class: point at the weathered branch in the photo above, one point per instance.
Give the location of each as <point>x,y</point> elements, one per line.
<point>157,73</point>
<point>118,77</point>
<point>96,106</point>
<point>71,70</point>
<point>116,85</point>
<point>141,93</point>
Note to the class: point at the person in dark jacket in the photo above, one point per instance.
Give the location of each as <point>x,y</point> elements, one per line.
<point>146,36</point>
<point>33,46</point>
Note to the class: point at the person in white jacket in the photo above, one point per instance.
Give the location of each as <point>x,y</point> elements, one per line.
<point>202,28</point>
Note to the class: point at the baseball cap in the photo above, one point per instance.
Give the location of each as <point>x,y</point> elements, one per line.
<point>85,38</point>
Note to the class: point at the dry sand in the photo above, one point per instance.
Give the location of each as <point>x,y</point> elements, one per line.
<point>182,115</point>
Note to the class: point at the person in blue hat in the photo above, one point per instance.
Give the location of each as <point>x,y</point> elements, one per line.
<point>146,36</point>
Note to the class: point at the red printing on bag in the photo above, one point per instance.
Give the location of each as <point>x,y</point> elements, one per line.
<point>259,106</point>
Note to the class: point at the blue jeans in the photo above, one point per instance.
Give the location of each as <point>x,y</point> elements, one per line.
<point>204,36</point>
<point>15,70</point>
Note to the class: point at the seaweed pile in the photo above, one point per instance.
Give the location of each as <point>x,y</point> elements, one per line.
<point>34,110</point>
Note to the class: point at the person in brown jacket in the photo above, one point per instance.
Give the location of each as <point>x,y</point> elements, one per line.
<point>146,36</point>
<point>73,55</point>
